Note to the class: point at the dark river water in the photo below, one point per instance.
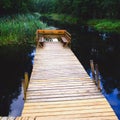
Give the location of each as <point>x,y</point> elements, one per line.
<point>15,60</point>
<point>87,44</point>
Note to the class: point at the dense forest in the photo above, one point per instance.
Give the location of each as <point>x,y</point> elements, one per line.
<point>84,9</point>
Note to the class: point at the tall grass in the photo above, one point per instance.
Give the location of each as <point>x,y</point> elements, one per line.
<point>19,28</point>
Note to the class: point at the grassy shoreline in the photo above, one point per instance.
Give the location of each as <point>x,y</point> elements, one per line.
<point>101,25</point>
<point>19,29</point>
<point>105,25</point>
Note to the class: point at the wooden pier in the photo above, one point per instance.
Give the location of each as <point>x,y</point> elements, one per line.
<point>60,88</point>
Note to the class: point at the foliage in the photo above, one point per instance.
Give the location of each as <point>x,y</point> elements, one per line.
<point>105,25</point>
<point>63,18</point>
<point>14,6</point>
<point>19,28</point>
<point>68,10</point>
<point>84,9</point>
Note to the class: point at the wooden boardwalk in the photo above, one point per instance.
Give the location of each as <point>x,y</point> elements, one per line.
<point>60,88</point>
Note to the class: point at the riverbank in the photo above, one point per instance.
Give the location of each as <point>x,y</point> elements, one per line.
<point>19,29</point>
<point>105,25</point>
<point>100,25</point>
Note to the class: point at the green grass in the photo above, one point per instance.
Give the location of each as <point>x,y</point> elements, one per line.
<point>63,18</point>
<point>19,29</point>
<point>105,25</point>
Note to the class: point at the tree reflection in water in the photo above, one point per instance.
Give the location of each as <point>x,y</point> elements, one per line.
<point>105,52</point>
<point>15,60</point>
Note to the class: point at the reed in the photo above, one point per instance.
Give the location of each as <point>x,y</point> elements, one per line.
<point>19,28</point>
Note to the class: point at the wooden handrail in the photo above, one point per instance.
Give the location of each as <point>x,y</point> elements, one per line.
<point>52,33</point>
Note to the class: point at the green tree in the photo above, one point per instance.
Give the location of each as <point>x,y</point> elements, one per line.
<point>14,6</point>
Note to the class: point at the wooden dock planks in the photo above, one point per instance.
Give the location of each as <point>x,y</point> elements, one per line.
<point>60,88</point>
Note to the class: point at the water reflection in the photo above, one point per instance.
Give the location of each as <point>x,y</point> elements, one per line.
<point>111,93</point>
<point>104,36</point>
<point>114,100</point>
<point>17,104</point>
<point>15,61</point>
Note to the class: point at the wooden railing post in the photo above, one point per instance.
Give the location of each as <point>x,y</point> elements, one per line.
<point>25,84</point>
<point>26,79</point>
<point>37,38</point>
<point>95,74</point>
<point>24,88</point>
<point>97,77</point>
<point>93,70</point>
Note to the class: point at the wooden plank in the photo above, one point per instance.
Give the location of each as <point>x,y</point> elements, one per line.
<point>40,93</point>
<point>24,118</point>
<point>82,106</point>
<point>64,39</point>
<point>51,32</point>
<point>82,113</point>
<point>61,97</point>
<point>67,108</point>
<point>32,118</point>
<point>84,79</point>
<point>11,118</point>
<point>18,118</point>
<point>67,103</point>
<point>60,89</point>
<point>63,90</point>
<point>60,82</point>
<point>4,118</point>
<point>77,117</point>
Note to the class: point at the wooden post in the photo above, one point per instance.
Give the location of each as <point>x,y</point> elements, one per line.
<point>25,84</point>
<point>26,79</point>
<point>93,70</point>
<point>24,88</point>
<point>97,77</point>
<point>37,37</point>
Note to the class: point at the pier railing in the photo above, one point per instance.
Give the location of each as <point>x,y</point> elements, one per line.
<point>62,35</point>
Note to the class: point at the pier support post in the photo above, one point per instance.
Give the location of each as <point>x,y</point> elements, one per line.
<point>93,70</point>
<point>25,84</point>
<point>95,74</point>
<point>97,77</point>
